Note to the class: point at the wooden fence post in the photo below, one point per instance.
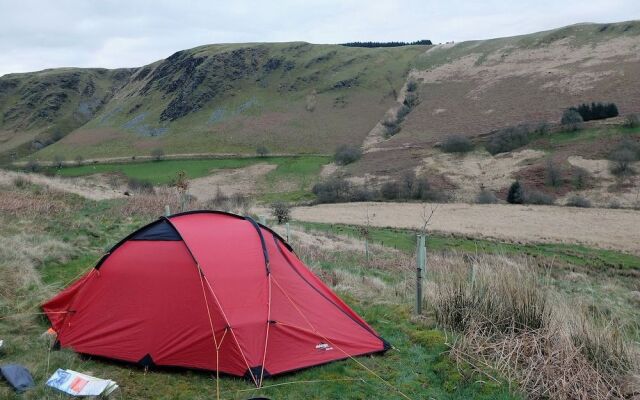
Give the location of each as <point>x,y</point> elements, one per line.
<point>366,250</point>
<point>288,232</point>
<point>167,211</point>
<point>419,266</point>
<point>423,243</point>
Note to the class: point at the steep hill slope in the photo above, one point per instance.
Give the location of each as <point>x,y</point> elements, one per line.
<point>478,86</point>
<point>291,97</point>
<point>304,98</point>
<point>474,88</point>
<point>39,108</point>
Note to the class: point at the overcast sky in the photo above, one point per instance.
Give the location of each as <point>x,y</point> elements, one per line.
<point>112,33</point>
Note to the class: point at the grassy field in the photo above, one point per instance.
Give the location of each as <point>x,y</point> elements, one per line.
<point>552,141</point>
<point>49,238</point>
<point>164,171</point>
<point>563,254</point>
<point>604,279</point>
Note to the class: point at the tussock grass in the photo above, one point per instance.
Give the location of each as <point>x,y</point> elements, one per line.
<point>33,202</point>
<point>504,316</point>
<point>20,257</point>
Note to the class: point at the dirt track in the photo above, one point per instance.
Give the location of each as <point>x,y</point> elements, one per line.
<point>93,188</point>
<point>596,227</point>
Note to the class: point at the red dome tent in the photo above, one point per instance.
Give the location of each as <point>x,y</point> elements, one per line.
<point>208,290</point>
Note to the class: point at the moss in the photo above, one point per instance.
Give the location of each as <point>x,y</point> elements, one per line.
<point>430,339</point>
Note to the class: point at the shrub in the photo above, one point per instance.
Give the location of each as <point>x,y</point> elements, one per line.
<point>542,128</point>
<point>412,85</point>
<point>79,160</point>
<point>423,190</point>
<point>411,99</point>
<point>538,197</point>
<point>347,154</point>
<point>571,119</point>
<point>157,154</point>
<point>552,174</point>
<point>282,211</point>
<point>581,178</point>
<point>578,201</point>
<point>20,182</point>
<point>391,127</point>
<point>390,190</point>
<point>140,186</point>
<point>508,139</point>
<point>58,161</point>
<point>632,121</point>
<point>332,190</point>
<point>621,162</point>
<point>402,112</point>
<point>361,193</point>
<point>407,184</point>
<point>516,193</point>
<point>32,166</point>
<point>262,150</point>
<point>457,144</point>
<point>486,196</point>
<point>615,204</point>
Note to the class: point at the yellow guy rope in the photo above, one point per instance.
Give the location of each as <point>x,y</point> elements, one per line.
<point>336,346</point>
<point>213,333</point>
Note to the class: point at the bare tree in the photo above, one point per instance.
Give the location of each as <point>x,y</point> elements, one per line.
<point>157,154</point>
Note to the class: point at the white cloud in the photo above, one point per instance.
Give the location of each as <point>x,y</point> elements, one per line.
<point>37,34</point>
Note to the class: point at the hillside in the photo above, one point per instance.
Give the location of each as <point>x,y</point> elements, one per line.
<point>305,98</point>
<point>291,97</point>
<point>39,108</point>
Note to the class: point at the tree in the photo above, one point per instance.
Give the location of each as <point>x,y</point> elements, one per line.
<point>571,119</point>
<point>632,121</point>
<point>281,211</point>
<point>262,150</point>
<point>32,166</point>
<point>553,174</point>
<point>516,193</point>
<point>390,190</point>
<point>596,111</point>
<point>58,161</point>
<point>157,154</point>
<point>79,160</point>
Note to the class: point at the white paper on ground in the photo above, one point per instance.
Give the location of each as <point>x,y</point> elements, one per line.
<point>77,384</point>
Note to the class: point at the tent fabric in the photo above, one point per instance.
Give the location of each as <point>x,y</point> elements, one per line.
<point>209,290</point>
<point>18,377</point>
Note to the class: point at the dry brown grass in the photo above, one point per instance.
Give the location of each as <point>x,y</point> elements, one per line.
<point>20,256</point>
<point>150,205</point>
<point>507,319</point>
<point>31,203</point>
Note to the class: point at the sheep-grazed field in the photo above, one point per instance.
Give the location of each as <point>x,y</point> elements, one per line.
<point>596,227</point>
